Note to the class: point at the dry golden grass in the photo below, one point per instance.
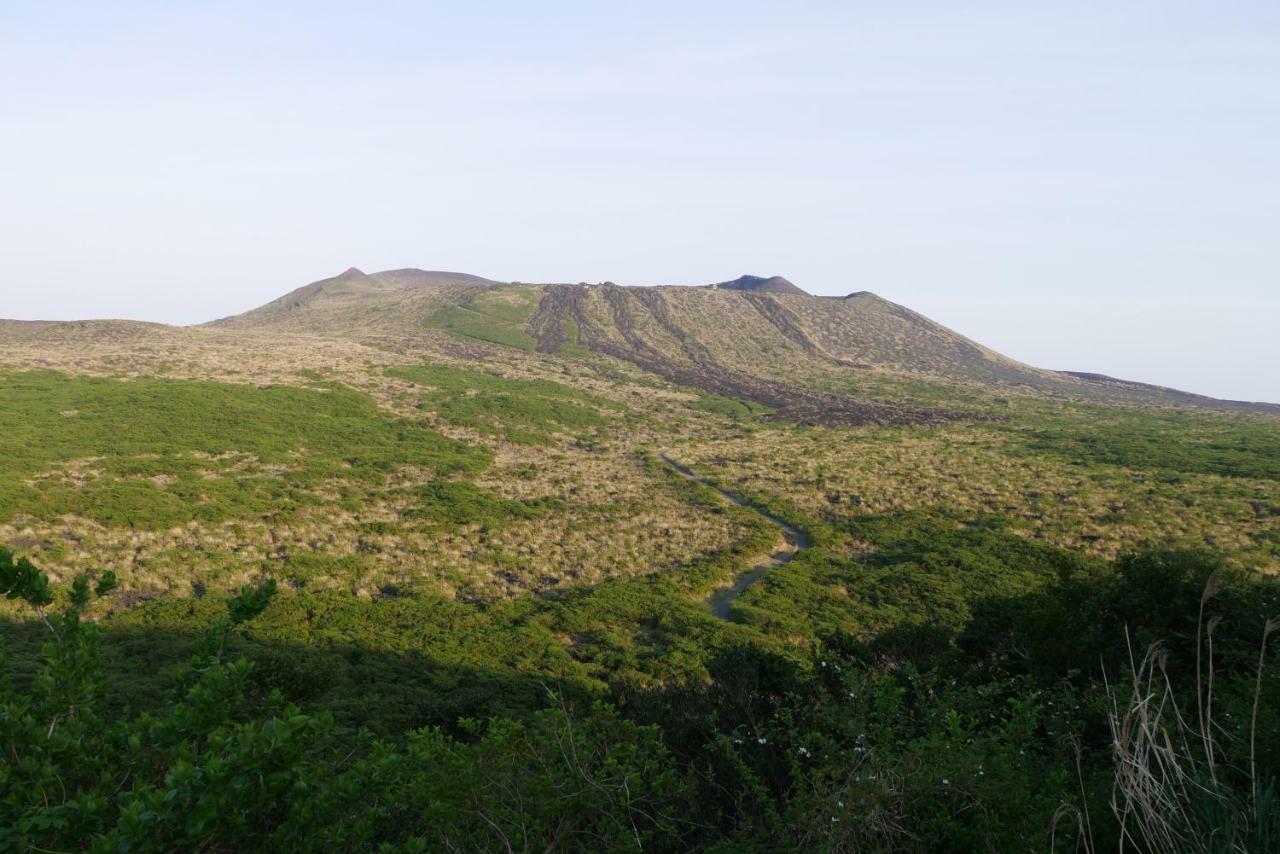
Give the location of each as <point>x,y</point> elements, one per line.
<point>970,471</point>
<point>618,518</point>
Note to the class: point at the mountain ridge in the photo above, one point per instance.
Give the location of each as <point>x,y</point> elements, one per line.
<point>759,284</point>
<point>758,338</point>
<point>765,328</point>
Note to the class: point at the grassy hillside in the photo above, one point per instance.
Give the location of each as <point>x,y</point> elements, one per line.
<point>499,317</point>
<point>184,485</point>
<point>152,454</point>
<point>414,564</point>
<point>523,411</point>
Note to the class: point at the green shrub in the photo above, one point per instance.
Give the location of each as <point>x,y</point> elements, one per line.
<point>520,410</point>
<point>456,502</point>
<point>498,318</point>
<point>729,407</point>
<point>195,439</point>
<point>214,771</point>
<point>1231,446</point>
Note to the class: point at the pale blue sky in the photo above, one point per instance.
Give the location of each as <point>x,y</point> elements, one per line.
<point>1081,186</point>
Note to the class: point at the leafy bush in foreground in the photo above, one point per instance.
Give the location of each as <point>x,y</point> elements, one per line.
<point>852,745</point>
<point>211,773</point>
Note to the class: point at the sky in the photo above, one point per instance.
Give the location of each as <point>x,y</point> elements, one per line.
<point>1081,186</point>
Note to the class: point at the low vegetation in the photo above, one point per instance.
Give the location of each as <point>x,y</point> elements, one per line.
<point>1181,443</point>
<point>498,317</point>
<point>432,594</point>
<point>729,407</point>
<point>524,411</point>
<point>153,453</point>
<point>1164,481</point>
<point>653,725</point>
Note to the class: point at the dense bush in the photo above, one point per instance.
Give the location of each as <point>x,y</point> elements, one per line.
<point>213,771</point>
<point>496,317</point>
<point>1014,743</point>
<point>1175,443</point>
<point>166,452</point>
<point>521,410</point>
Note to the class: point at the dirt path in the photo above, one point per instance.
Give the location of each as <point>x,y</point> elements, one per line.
<point>721,601</point>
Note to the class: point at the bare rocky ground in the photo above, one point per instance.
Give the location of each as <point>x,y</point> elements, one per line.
<point>700,369</point>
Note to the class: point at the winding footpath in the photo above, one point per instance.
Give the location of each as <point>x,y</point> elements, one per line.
<point>721,602</point>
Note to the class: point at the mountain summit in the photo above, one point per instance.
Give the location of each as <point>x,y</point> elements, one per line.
<point>352,284</point>
<point>759,284</point>
<point>752,338</point>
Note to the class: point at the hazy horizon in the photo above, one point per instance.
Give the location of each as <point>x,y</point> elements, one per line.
<point>1092,188</point>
